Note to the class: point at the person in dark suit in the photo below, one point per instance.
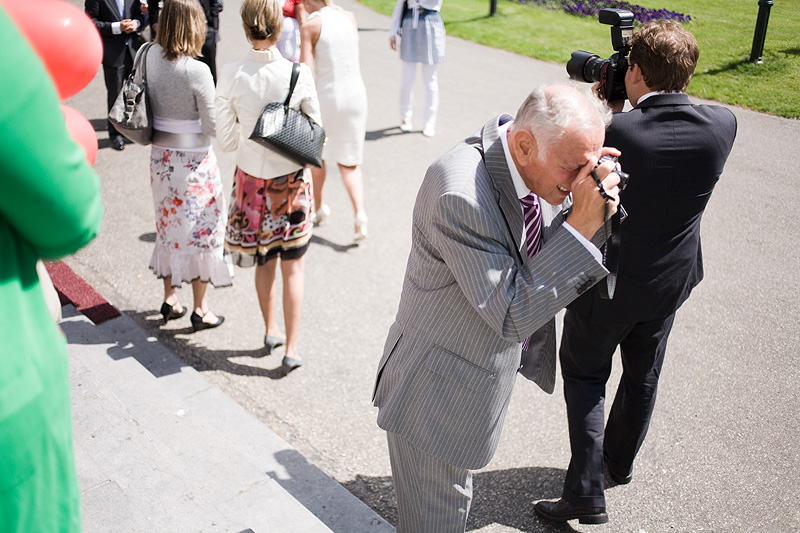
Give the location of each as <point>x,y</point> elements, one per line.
<point>495,254</point>
<point>212,9</point>
<point>674,152</point>
<point>118,22</point>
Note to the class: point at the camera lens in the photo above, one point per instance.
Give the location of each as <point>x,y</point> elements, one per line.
<point>575,65</point>
<point>584,66</point>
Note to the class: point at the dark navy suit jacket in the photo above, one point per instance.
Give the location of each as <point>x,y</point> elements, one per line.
<point>105,12</point>
<point>674,152</point>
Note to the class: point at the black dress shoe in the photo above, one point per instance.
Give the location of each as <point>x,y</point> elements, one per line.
<point>618,478</point>
<point>169,313</point>
<point>117,143</point>
<point>561,511</point>
<point>198,324</point>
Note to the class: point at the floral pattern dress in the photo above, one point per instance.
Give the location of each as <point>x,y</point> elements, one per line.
<point>190,216</point>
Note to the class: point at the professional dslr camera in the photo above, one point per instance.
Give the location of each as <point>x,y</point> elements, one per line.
<point>610,73</point>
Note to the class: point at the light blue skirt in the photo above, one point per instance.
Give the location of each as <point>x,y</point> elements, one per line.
<point>426,43</point>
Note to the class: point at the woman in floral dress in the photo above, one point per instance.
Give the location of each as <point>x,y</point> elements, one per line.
<point>187,189</point>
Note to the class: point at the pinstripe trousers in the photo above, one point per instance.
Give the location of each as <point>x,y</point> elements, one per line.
<point>433,496</point>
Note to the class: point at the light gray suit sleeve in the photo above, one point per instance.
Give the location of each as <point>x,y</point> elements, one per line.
<point>515,301</point>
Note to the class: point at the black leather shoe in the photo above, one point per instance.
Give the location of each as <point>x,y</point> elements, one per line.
<point>117,143</point>
<point>618,478</point>
<point>272,342</point>
<point>198,324</point>
<point>561,511</point>
<point>169,313</point>
<point>291,363</point>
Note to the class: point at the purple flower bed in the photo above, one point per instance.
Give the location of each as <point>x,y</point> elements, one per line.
<point>589,8</point>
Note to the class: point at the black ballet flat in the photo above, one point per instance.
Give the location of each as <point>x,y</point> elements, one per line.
<point>198,324</point>
<point>169,313</point>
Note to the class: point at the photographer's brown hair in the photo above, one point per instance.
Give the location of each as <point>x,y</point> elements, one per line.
<point>666,53</point>
<point>181,28</point>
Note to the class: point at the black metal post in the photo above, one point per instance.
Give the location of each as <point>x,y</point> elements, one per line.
<point>493,8</point>
<point>760,34</point>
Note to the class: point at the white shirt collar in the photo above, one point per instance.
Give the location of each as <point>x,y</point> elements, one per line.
<point>519,185</point>
<point>264,56</point>
<point>648,95</point>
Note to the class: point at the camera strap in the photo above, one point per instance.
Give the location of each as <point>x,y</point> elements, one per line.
<point>613,241</point>
<point>611,255</point>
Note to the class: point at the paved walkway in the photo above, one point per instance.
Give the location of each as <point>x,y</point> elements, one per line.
<point>158,448</point>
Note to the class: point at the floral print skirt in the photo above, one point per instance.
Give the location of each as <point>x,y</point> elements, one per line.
<point>190,217</point>
<point>268,217</point>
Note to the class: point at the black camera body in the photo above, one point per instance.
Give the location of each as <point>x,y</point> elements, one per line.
<point>609,73</point>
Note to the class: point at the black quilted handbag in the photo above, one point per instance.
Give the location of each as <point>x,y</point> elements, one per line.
<point>289,131</point>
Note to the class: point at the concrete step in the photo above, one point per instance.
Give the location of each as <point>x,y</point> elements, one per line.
<point>158,448</point>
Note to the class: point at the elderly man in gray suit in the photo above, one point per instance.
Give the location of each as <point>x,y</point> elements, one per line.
<point>501,241</point>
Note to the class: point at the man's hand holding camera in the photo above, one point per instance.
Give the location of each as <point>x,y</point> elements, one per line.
<point>590,208</point>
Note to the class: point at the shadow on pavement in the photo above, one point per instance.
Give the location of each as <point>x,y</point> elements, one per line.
<point>392,131</point>
<point>316,239</point>
<point>195,356</point>
<point>502,497</point>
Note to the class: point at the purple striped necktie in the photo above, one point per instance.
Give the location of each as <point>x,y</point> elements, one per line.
<point>532,217</point>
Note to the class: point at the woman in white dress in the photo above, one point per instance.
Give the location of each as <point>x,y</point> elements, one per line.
<point>329,45</point>
<point>187,188</point>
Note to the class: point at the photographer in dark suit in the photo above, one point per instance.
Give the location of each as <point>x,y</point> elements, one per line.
<point>212,9</point>
<point>118,22</point>
<point>675,152</point>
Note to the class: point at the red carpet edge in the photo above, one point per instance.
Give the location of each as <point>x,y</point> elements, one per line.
<point>73,289</point>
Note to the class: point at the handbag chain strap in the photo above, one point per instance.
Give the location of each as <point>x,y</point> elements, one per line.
<point>292,82</point>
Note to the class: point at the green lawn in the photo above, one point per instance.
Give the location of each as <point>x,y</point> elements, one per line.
<point>723,28</point>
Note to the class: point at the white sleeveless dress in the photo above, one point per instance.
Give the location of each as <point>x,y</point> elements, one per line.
<point>342,95</point>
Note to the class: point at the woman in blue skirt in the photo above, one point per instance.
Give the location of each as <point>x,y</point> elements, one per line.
<point>422,41</point>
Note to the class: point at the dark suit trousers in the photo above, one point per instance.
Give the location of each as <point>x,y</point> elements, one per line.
<point>209,52</point>
<point>587,348</point>
<point>114,78</point>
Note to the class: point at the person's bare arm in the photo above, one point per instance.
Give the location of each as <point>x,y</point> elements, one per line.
<point>309,35</point>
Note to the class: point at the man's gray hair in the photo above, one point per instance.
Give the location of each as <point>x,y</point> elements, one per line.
<point>549,112</point>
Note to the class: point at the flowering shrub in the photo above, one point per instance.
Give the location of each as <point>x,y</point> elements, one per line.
<point>589,8</point>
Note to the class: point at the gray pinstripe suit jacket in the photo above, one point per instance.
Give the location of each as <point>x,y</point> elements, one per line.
<point>470,297</point>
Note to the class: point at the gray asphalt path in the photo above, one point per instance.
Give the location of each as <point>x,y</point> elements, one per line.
<point>721,454</point>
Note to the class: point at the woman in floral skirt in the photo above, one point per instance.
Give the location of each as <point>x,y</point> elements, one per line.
<point>187,189</point>
<point>269,218</point>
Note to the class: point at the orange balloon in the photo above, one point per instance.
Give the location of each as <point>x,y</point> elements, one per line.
<point>64,37</point>
<point>82,132</point>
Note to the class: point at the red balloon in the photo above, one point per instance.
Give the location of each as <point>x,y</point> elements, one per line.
<point>82,132</point>
<point>64,37</point>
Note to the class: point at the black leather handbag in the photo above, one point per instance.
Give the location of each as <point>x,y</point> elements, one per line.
<point>131,114</point>
<point>289,131</point>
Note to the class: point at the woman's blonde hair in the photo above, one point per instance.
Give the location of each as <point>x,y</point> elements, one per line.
<point>181,28</point>
<point>262,19</point>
